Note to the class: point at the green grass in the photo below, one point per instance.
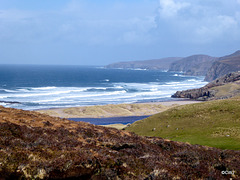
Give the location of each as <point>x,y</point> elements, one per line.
<point>213,123</point>
<point>229,89</point>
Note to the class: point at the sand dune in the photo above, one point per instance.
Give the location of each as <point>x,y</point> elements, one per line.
<point>114,110</point>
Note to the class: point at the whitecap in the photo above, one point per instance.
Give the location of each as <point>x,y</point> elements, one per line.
<point>97,95</point>
<point>118,87</point>
<point>138,69</point>
<point>98,88</point>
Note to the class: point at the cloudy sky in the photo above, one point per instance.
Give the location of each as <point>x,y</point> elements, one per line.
<point>93,32</point>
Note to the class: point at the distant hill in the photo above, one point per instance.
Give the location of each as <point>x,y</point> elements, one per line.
<point>222,88</point>
<point>161,64</point>
<point>224,65</point>
<point>196,65</point>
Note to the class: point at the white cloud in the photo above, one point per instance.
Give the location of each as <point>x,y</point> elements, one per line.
<point>153,26</point>
<point>199,21</point>
<point>83,23</point>
<point>216,27</point>
<point>170,8</point>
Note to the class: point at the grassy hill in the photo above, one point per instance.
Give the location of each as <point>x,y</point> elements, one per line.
<point>213,123</point>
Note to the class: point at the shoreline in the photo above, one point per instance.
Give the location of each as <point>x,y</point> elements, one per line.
<point>115,110</point>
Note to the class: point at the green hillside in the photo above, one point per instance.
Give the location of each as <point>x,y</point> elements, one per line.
<point>213,123</point>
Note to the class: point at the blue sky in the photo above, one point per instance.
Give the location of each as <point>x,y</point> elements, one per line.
<point>97,32</point>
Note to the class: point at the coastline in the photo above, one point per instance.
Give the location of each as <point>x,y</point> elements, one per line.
<point>116,110</point>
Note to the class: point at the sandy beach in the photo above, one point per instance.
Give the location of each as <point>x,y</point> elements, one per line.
<point>115,110</point>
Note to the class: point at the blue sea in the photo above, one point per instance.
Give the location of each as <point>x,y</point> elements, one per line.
<point>32,87</point>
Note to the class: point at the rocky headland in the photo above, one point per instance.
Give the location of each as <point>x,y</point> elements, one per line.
<point>224,65</point>
<point>224,87</point>
<point>37,146</point>
<point>196,65</point>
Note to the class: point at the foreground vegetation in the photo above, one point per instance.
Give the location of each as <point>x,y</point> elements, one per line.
<point>213,123</point>
<point>37,146</point>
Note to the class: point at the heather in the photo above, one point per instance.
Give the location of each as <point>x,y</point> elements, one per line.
<point>37,146</point>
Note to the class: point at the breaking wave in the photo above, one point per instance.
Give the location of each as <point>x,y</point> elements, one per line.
<point>93,86</point>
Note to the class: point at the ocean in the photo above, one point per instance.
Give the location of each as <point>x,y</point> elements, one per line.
<point>32,87</point>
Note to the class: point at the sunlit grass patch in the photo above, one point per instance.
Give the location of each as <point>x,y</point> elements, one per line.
<point>214,123</point>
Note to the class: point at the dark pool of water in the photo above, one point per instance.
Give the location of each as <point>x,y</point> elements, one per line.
<point>111,120</point>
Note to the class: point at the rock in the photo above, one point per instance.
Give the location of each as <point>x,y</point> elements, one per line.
<point>208,92</point>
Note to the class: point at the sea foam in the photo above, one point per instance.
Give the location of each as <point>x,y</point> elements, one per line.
<point>94,87</point>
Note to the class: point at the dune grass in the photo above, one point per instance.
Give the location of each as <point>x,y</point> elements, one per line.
<point>110,110</point>
<point>213,123</point>
<point>230,89</point>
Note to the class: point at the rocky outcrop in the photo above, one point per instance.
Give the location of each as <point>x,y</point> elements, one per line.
<point>196,65</point>
<point>37,146</point>
<point>158,64</point>
<point>223,66</point>
<point>200,94</point>
<point>229,85</point>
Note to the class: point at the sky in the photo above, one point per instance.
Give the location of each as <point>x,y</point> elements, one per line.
<point>93,32</point>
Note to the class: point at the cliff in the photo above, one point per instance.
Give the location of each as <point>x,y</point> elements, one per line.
<point>161,64</point>
<point>223,66</point>
<point>222,88</point>
<point>37,146</point>
<point>196,65</point>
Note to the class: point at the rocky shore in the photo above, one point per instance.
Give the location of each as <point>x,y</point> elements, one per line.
<point>221,88</point>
